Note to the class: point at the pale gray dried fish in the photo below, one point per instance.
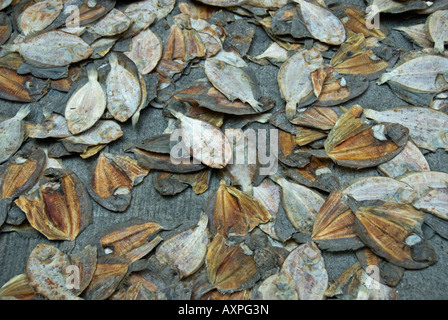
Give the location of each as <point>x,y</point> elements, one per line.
<point>269,195</point>
<point>380,188</point>
<point>52,49</point>
<point>437,27</point>
<point>123,89</point>
<point>145,50</point>
<point>103,132</point>
<point>419,34</point>
<point>38,16</point>
<point>322,24</point>
<point>5,3</point>
<point>300,203</point>
<point>420,73</point>
<point>279,286</point>
<point>186,250</point>
<point>427,127</point>
<point>206,142</point>
<point>112,24</point>
<point>410,159</point>
<point>232,81</point>
<point>423,182</point>
<point>435,202</point>
<point>392,6</point>
<point>86,105</point>
<point>307,267</point>
<point>141,15</point>
<point>12,134</point>
<point>273,54</point>
<point>295,79</point>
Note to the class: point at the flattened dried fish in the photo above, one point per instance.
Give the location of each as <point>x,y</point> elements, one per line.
<point>380,188</point>
<point>410,159</point>
<point>52,49</point>
<point>295,79</point>
<point>86,105</point>
<point>300,203</point>
<point>59,206</point>
<point>234,213</point>
<point>437,27</point>
<point>229,268</point>
<point>186,250</point>
<point>427,127</point>
<point>18,287</point>
<point>423,182</point>
<point>5,28</point>
<point>206,142</point>
<point>39,15</point>
<point>103,132</point>
<point>322,23</point>
<point>393,231</point>
<point>321,118</point>
<point>307,267</point>
<point>145,51</point>
<point>418,34</point>
<point>423,73</point>
<point>231,81</point>
<point>354,143</point>
<point>435,202</point>
<point>112,24</point>
<point>279,286</point>
<point>53,126</point>
<point>122,89</point>
<point>12,134</point>
<point>21,88</point>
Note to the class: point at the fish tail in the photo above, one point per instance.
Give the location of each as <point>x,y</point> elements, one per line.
<point>255,105</point>
<point>135,118</point>
<point>383,79</point>
<point>277,178</point>
<point>23,112</point>
<point>113,60</point>
<point>290,110</point>
<point>92,73</point>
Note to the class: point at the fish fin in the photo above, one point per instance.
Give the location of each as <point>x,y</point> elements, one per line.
<point>255,105</point>
<point>135,118</point>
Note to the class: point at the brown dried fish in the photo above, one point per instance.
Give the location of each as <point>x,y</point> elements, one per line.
<point>38,15</point>
<point>52,49</point>
<point>334,225</point>
<point>186,250</point>
<point>232,82</point>
<point>393,231</point>
<point>206,142</point>
<point>354,143</point>
<point>21,88</point>
<point>410,159</point>
<point>322,24</point>
<point>145,50</point>
<point>235,213</point>
<point>5,28</point>
<point>307,267</point>
<point>355,21</point>
<point>113,180</point>
<point>17,287</point>
<point>169,184</point>
<point>366,63</point>
<point>229,268</point>
<point>321,118</point>
<point>300,203</point>
<point>380,188</point>
<point>123,89</point>
<point>59,206</point>
<point>295,79</point>
<point>427,127</point>
<point>437,27</point>
<point>86,105</point>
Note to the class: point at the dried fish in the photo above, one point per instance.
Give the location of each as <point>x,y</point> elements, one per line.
<point>59,206</point>
<point>5,3</point>
<point>235,213</point>
<point>206,142</point>
<point>145,50</point>
<point>321,118</point>
<point>53,126</point>
<point>355,21</point>
<point>435,202</point>
<point>21,88</point>
<point>393,231</point>
<point>279,286</point>
<point>383,271</point>
<point>229,268</point>
<point>437,27</point>
<point>113,23</point>
<point>410,159</point>
<point>426,126</point>
<point>52,49</point>
<point>113,180</point>
<point>300,203</point>
<point>103,132</point>
<point>418,34</point>
<point>12,134</point>
<point>122,241</point>
<point>422,73</point>
<point>334,225</point>
<point>380,188</point>
<point>5,28</point>
<point>18,287</point>
<point>354,143</point>
<point>196,10</point>
<point>423,182</point>
<point>366,63</point>
<point>391,6</point>
<point>295,79</point>
<point>232,82</point>
<point>169,184</point>
<point>122,88</point>
<point>36,17</point>
<point>268,194</point>
<point>322,23</point>
<point>273,54</point>
<point>187,249</point>
<point>86,105</point>
<point>307,267</point>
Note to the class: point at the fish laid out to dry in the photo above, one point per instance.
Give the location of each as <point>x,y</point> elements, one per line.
<point>38,16</point>
<point>298,79</point>
<point>12,134</point>
<point>437,27</point>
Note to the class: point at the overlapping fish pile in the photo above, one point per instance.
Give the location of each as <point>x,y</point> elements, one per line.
<point>260,235</point>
